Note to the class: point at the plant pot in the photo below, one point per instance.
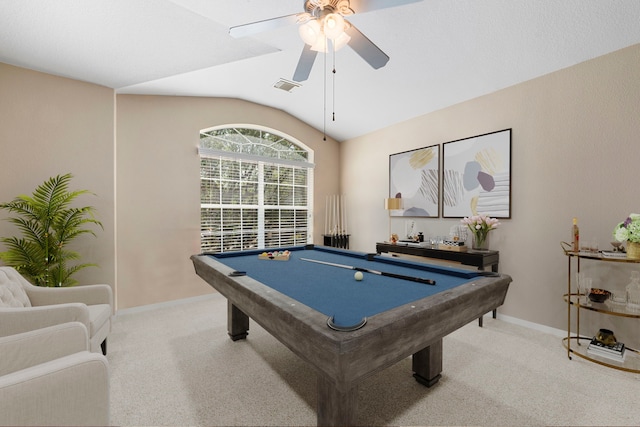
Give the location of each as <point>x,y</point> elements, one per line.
<point>633,250</point>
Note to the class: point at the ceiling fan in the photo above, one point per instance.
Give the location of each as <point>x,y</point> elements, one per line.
<point>323,24</point>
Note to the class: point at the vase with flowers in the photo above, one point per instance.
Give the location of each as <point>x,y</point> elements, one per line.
<point>629,231</point>
<point>480,226</point>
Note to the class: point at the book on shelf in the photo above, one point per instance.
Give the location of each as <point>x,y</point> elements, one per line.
<point>613,352</point>
<point>613,254</point>
<point>617,348</point>
<point>604,354</point>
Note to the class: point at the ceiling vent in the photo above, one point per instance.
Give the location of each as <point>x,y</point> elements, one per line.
<point>286,85</point>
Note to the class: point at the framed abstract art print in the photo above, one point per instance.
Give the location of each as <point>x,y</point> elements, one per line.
<point>476,177</point>
<point>414,176</point>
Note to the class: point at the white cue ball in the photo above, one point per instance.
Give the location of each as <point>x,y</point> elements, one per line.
<point>358,276</point>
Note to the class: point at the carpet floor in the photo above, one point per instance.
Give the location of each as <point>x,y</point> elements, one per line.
<point>174,365</point>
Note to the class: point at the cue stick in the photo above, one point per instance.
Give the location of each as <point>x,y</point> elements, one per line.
<point>380,273</point>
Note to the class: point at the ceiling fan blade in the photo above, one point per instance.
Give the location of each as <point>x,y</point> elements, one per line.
<point>366,48</point>
<point>305,63</point>
<point>261,26</point>
<point>361,6</point>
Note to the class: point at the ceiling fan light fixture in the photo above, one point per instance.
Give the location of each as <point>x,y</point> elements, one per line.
<point>310,32</point>
<point>340,41</point>
<point>333,25</point>
<point>320,45</point>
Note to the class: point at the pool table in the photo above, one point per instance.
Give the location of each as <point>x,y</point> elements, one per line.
<point>345,328</point>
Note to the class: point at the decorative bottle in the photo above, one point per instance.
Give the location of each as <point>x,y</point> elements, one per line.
<point>633,292</point>
<point>575,231</point>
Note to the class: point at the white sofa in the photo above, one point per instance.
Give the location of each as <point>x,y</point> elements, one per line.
<point>25,307</point>
<point>48,377</point>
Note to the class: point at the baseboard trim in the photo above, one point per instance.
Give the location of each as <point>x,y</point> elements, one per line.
<point>166,304</point>
<point>532,325</point>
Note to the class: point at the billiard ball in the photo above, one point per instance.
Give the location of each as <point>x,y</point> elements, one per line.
<point>358,276</point>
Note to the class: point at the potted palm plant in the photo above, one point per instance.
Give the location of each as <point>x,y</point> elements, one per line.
<point>48,224</point>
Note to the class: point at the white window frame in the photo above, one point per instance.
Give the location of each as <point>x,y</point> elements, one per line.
<point>262,162</point>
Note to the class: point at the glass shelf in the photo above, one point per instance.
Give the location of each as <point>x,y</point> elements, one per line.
<point>598,256</point>
<point>631,362</point>
<point>606,307</point>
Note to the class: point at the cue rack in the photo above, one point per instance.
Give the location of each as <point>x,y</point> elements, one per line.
<point>335,222</point>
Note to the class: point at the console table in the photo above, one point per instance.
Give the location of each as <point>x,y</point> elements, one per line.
<point>478,259</point>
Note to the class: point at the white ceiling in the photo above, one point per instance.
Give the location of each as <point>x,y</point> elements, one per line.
<point>442,51</point>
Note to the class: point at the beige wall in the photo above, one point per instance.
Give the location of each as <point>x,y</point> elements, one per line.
<point>51,126</point>
<point>158,187</point>
<point>575,152</point>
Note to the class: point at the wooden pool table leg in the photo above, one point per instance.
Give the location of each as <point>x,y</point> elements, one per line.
<point>336,407</point>
<point>494,269</point>
<point>237,322</point>
<point>494,313</point>
<point>427,364</point>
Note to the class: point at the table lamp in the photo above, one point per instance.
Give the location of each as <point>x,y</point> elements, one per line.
<point>390,204</point>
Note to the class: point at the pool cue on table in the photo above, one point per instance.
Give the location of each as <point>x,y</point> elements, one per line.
<point>380,273</point>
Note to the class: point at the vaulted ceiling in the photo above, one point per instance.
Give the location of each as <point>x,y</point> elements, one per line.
<point>442,51</point>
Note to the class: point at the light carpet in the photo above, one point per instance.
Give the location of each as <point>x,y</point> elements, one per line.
<point>174,365</point>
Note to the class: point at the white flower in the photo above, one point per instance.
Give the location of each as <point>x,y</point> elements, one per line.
<point>480,225</point>
<point>621,234</point>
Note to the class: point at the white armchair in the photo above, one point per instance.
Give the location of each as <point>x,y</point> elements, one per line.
<point>48,377</point>
<point>25,307</point>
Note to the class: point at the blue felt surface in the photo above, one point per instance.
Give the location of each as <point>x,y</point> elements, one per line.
<point>333,291</point>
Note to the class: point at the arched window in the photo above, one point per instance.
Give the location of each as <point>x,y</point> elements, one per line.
<point>256,188</point>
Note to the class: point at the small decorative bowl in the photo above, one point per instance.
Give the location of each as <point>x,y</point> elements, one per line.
<point>599,295</point>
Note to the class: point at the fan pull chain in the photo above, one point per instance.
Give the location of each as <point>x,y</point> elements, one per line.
<point>333,97</point>
<point>324,111</point>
